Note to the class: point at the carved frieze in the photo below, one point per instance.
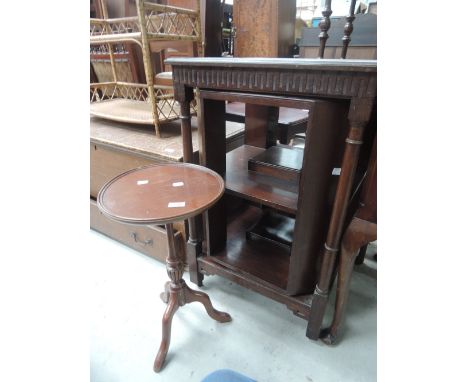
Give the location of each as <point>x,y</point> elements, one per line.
<point>276,80</point>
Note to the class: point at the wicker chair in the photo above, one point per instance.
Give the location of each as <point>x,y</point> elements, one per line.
<point>132,102</point>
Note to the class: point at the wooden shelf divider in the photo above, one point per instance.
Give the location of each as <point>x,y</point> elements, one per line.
<point>260,188</point>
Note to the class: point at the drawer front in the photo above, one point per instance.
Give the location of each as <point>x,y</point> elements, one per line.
<point>151,241</point>
<point>107,163</point>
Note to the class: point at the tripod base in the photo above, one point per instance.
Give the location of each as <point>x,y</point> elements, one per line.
<point>176,295</point>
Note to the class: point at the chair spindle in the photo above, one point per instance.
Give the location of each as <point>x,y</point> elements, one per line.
<point>348,29</point>
<point>324,27</point>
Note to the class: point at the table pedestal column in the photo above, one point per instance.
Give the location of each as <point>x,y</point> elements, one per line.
<point>177,293</point>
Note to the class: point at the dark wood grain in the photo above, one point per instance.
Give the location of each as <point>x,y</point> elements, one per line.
<point>286,116</point>
<point>194,242</point>
<point>368,199</point>
<point>248,262</point>
<point>361,231</point>
<point>144,196</point>
<point>290,121</point>
<point>358,233</point>
<point>297,64</point>
<point>260,125</point>
<point>150,240</point>
<point>275,227</point>
<point>264,28</point>
<point>279,162</point>
<point>350,87</point>
<point>351,79</point>
<point>358,116</point>
<point>213,156</point>
<point>259,99</point>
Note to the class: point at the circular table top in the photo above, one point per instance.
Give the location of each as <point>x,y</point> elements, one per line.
<point>160,194</point>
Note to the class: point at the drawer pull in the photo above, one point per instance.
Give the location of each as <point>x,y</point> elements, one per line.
<point>144,242</point>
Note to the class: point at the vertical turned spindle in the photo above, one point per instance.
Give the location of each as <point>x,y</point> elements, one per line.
<point>145,45</point>
<point>348,29</point>
<point>184,96</point>
<point>105,15</point>
<point>324,27</point>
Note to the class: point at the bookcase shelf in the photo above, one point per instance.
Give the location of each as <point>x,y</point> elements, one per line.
<point>259,188</point>
<point>339,96</point>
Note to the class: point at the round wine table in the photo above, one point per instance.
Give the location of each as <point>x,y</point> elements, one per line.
<point>162,194</point>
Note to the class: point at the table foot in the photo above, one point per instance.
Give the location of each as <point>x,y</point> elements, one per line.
<point>327,336</point>
<point>166,331</point>
<point>196,296</point>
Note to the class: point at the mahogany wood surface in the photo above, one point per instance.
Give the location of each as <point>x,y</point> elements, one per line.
<point>319,225</point>
<point>274,227</point>
<point>145,196</point>
<point>348,29</point>
<point>278,162</point>
<point>212,156</point>
<point>176,294</point>
<point>322,153</point>
<point>359,232</point>
<point>368,200</point>
<point>297,64</point>
<point>252,256</point>
<point>260,99</point>
<point>290,121</point>
<point>256,187</point>
<point>160,193</point>
<point>324,27</point>
<point>255,264</point>
<point>117,147</point>
<point>261,125</point>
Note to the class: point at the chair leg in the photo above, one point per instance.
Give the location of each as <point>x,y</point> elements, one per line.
<point>192,296</point>
<point>358,234</point>
<point>166,331</point>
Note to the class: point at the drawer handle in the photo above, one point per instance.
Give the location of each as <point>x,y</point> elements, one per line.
<point>144,242</point>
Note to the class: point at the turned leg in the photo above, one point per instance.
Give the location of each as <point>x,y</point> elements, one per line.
<point>192,296</point>
<point>359,233</point>
<point>194,249</point>
<point>358,116</point>
<point>361,256</point>
<point>166,331</point>
<point>148,67</point>
<point>194,242</point>
<point>175,271</point>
